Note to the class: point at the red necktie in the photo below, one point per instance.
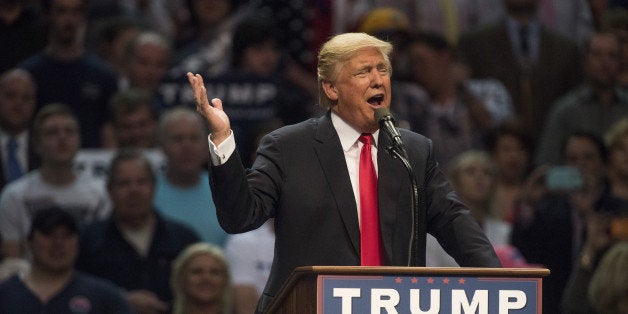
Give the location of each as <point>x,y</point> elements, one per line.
<point>370,239</point>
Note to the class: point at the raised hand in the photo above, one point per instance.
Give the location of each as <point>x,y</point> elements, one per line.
<point>217,119</point>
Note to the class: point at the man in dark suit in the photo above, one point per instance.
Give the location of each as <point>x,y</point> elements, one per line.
<point>307,176</point>
<point>535,64</point>
<point>17,105</point>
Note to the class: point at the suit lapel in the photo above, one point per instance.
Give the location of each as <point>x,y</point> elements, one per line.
<point>332,160</point>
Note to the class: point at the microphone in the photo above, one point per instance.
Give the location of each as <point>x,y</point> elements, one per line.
<point>387,123</point>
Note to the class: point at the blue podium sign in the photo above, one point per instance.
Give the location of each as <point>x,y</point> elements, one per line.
<point>457,294</point>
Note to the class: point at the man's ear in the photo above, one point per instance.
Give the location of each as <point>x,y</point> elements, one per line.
<point>330,90</point>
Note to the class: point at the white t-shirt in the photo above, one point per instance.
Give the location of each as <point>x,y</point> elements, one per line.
<point>86,199</point>
<point>250,256</point>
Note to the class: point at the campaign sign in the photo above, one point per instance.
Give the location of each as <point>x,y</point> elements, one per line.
<point>429,294</point>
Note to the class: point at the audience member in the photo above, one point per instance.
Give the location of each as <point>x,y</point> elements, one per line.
<point>181,192</point>
<point>65,72</point>
<point>52,285</point>
<point>453,117</point>
<point>511,152</point>
<point>111,39</point>
<point>201,282</point>
<point>204,44</point>
<point>133,120</point>
<point>552,234</point>
<point>598,239</point>
<point>294,18</point>
<point>535,64</point>
<point>250,257</point>
<point>473,176</point>
<point>616,21</point>
<point>256,90</point>
<point>17,105</point>
<point>147,58</point>
<point>22,32</point>
<point>56,140</point>
<point>592,107</point>
<point>449,18</point>
<point>616,139</point>
<point>392,25</point>
<point>609,285</point>
<point>136,246</point>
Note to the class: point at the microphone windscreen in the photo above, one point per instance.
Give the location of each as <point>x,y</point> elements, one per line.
<point>382,112</point>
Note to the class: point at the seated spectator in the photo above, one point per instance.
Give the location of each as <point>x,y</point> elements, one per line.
<point>52,285</point>
<point>22,31</point>
<point>597,241</point>
<point>452,116</point>
<point>535,64</point>
<point>136,246</point>
<point>616,21</point>
<point>592,107</point>
<point>147,58</point>
<point>255,91</point>
<point>511,151</point>
<point>133,120</point>
<point>182,193</point>
<point>472,175</point>
<point>203,44</point>
<point>200,281</point>
<point>111,38</point>
<point>616,139</point>
<point>551,221</point>
<point>250,257</point>
<point>17,106</point>
<point>65,71</point>
<point>392,25</point>
<point>56,138</point>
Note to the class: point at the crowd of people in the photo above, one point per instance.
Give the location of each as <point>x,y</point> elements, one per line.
<point>526,102</point>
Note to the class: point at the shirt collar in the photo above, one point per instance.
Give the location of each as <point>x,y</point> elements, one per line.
<point>347,134</point>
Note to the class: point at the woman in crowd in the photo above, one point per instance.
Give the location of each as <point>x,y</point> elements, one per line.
<point>200,281</point>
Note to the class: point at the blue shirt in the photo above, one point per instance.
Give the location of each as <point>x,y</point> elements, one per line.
<point>83,294</point>
<point>192,206</point>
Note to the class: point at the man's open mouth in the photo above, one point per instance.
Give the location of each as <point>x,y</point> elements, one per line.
<point>376,100</point>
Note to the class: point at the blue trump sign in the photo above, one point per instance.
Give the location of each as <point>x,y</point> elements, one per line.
<point>429,294</point>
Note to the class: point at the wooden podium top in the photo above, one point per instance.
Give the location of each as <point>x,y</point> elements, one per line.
<point>389,270</point>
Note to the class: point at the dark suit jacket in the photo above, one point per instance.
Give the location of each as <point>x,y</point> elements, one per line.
<point>489,54</point>
<point>300,177</point>
<point>548,240</point>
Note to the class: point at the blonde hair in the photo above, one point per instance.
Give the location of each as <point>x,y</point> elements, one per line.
<point>609,284</point>
<point>179,270</point>
<point>468,158</point>
<point>616,133</point>
<point>341,48</point>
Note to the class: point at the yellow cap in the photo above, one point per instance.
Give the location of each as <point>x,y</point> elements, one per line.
<point>384,19</point>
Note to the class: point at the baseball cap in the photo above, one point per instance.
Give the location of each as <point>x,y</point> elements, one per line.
<point>46,220</point>
<point>384,20</point>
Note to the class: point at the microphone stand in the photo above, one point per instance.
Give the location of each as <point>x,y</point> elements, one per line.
<point>399,152</point>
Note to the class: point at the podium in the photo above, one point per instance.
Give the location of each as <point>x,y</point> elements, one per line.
<point>357,289</point>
